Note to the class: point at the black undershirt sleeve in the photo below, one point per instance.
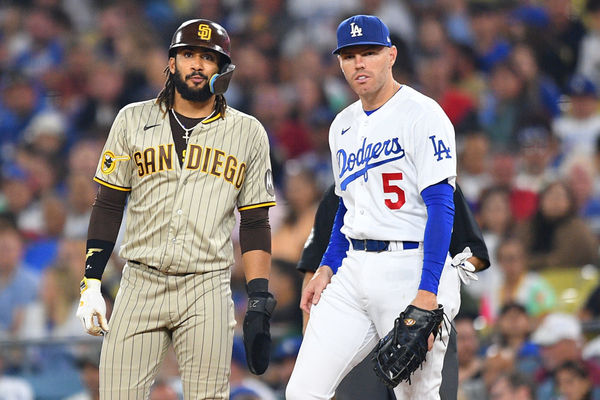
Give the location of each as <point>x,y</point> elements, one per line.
<point>105,221</point>
<point>466,231</point>
<point>255,231</point>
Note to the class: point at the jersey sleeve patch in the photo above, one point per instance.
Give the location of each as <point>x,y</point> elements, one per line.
<point>110,160</point>
<point>440,149</point>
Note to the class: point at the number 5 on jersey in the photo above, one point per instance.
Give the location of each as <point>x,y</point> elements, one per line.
<point>389,188</point>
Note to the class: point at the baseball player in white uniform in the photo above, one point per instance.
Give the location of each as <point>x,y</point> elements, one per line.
<point>394,162</point>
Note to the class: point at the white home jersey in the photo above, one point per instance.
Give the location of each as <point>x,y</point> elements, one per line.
<point>382,162</point>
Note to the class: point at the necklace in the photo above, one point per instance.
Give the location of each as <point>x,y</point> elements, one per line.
<point>187,131</point>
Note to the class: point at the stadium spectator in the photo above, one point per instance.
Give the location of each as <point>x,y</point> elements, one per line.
<point>542,94</point>
<point>81,193</point>
<point>581,175</point>
<point>42,249</point>
<point>515,283</point>
<point>18,285</point>
<point>574,382</point>
<point>579,128</point>
<point>17,193</point>
<point>561,340</point>
<point>557,44</point>
<point>14,387</point>
<point>537,151</point>
<point>513,386</point>
<point>486,20</point>
<point>556,236</point>
<point>470,364</point>
<point>494,217</point>
<point>302,195</point>
<point>53,315</point>
<point>474,175</point>
<point>503,106</point>
<point>20,100</point>
<point>589,52</point>
<point>512,334</point>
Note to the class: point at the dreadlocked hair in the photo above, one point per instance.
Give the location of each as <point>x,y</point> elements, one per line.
<point>166,97</point>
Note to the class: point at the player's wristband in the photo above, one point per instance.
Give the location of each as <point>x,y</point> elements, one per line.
<point>96,257</point>
<point>257,285</point>
<point>86,283</point>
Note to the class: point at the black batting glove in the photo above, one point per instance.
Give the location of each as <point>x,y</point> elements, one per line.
<point>257,335</point>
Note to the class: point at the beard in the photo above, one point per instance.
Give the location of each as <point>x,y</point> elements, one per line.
<point>200,95</point>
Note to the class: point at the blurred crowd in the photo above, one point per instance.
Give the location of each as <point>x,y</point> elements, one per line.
<point>519,79</point>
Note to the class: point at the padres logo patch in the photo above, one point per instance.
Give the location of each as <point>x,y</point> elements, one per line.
<point>269,182</point>
<point>109,161</point>
<point>204,32</point>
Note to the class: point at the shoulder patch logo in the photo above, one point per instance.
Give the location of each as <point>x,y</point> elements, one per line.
<point>269,182</point>
<point>109,161</point>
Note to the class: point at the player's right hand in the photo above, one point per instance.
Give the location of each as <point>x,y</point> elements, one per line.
<point>312,292</point>
<point>92,305</point>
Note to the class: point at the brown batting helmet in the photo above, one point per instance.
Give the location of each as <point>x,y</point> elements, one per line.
<point>210,35</point>
<point>202,33</point>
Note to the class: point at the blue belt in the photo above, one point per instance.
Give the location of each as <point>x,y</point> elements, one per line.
<point>379,245</point>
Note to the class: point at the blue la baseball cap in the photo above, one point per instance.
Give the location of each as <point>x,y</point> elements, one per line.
<point>579,85</point>
<point>362,29</point>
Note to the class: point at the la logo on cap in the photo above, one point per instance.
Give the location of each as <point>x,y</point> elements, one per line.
<point>355,30</point>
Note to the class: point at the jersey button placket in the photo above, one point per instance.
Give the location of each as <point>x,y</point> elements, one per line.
<point>362,181</point>
<point>360,209</point>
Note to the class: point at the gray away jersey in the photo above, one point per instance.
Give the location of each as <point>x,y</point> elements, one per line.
<point>179,219</point>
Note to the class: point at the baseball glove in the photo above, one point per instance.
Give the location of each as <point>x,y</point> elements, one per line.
<point>404,348</point>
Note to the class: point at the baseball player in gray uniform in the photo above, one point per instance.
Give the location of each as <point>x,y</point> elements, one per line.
<point>185,161</point>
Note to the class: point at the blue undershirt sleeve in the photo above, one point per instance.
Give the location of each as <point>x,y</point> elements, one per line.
<point>440,218</point>
<point>338,244</point>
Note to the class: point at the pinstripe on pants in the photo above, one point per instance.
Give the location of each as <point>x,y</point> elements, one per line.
<point>153,309</point>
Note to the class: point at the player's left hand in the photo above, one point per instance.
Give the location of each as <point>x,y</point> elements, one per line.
<point>426,301</point>
<point>257,335</point>
<point>466,270</point>
<point>403,350</point>
<point>312,292</point>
